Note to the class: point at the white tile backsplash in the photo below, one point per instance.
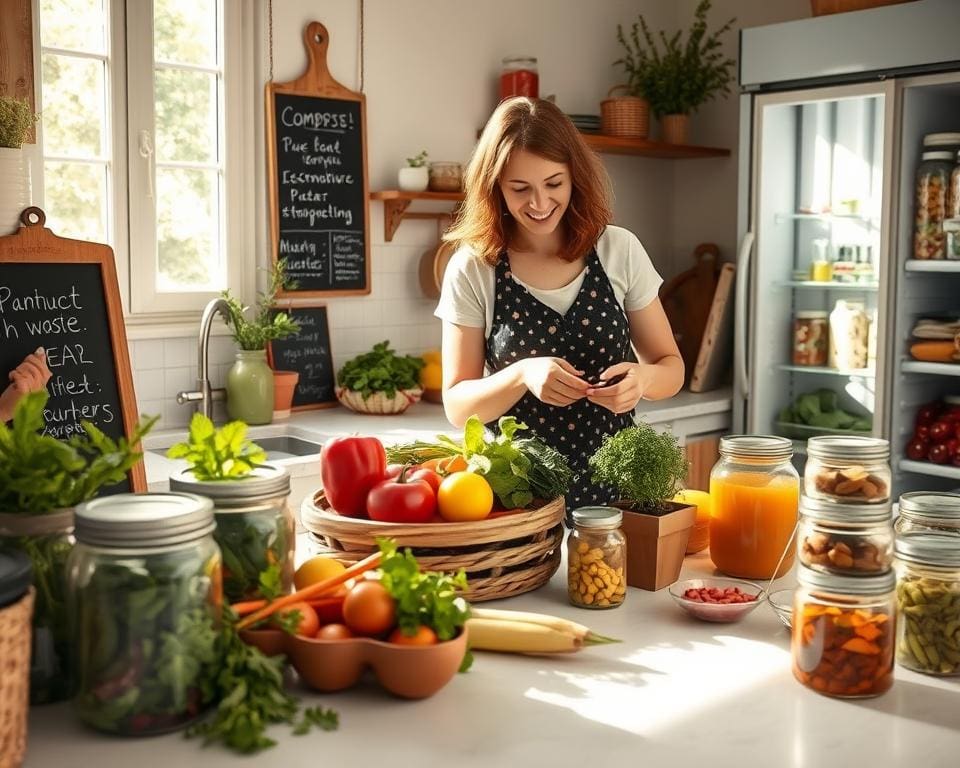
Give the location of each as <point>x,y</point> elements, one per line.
<point>179,352</point>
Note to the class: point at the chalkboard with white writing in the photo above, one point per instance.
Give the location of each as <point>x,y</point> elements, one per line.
<point>62,295</point>
<point>309,354</point>
<point>316,147</point>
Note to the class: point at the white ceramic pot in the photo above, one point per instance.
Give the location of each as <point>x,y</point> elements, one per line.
<point>15,189</point>
<point>413,179</point>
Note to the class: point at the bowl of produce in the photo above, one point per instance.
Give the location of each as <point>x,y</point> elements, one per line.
<point>380,381</point>
<point>782,603</point>
<point>716,599</point>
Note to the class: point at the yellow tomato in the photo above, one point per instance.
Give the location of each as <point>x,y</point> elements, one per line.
<point>464,496</point>
<point>317,569</point>
<point>431,376</point>
<point>431,356</point>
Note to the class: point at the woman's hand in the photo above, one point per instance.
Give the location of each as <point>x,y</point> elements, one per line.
<point>553,380</point>
<point>623,396</point>
<point>30,376</point>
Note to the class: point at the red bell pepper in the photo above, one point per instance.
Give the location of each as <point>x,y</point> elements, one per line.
<point>402,500</point>
<point>349,468</point>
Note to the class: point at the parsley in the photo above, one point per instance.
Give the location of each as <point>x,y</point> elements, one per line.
<point>380,370</point>
<point>288,621</point>
<point>218,454</point>
<point>271,582</point>
<point>324,719</point>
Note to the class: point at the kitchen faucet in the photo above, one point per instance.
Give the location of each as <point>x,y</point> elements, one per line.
<point>204,396</point>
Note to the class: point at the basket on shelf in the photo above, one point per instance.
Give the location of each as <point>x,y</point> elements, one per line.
<point>14,679</point>
<point>378,402</point>
<point>506,554</point>
<point>624,115</point>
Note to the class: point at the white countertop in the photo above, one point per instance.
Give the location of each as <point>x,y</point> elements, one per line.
<point>676,692</point>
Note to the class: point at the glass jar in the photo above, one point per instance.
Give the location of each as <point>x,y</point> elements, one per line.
<point>952,232</point>
<point>145,599</point>
<point>849,336</point>
<point>842,635</point>
<point>810,336</point>
<point>754,493</point>
<point>928,511</point>
<point>596,558</point>
<point>445,177</point>
<point>933,182</point>
<point>846,539</point>
<point>519,77</point>
<point>928,601</point>
<point>255,528</point>
<point>848,470</point>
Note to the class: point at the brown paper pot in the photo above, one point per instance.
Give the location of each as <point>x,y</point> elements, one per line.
<point>284,385</point>
<point>675,128</point>
<point>656,545</point>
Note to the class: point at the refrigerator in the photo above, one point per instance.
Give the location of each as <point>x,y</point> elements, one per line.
<point>833,111</point>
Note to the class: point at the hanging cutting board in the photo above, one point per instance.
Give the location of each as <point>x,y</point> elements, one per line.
<point>687,299</point>
<point>716,352</point>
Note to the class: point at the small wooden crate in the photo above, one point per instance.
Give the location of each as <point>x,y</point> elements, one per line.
<point>507,554</point>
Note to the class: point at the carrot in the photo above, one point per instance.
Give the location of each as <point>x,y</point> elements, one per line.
<point>869,632</point>
<point>242,609</point>
<point>313,591</point>
<point>859,645</point>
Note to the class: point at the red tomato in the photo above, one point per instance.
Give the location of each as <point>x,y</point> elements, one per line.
<point>956,460</point>
<point>927,414</point>
<point>423,636</point>
<point>956,430</point>
<point>940,431</point>
<point>953,445</point>
<point>393,470</point>
<point>402,500</point>
<point>938,454</point>
<point>429,476</point>
<point>917,450</point>
<point>334,632</point>
<point>922,432</point>
<point>309,623</point>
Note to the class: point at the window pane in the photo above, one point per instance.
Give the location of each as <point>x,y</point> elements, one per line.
<point>188,230</point>
<point>75,196</point>
<point>73,106</point>
<point>76,24</point>
<point>186,115</point>
<point>185,31</point>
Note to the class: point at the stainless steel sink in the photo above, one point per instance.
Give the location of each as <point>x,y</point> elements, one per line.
<point>287,447</point>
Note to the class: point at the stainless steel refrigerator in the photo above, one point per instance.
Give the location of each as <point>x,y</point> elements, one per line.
<point>833,111</point>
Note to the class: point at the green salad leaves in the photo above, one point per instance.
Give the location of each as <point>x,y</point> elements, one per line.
<point>380,370</point>
<point>218,454</point>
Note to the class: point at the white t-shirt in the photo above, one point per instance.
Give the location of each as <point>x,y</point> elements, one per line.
<point>467,295</point>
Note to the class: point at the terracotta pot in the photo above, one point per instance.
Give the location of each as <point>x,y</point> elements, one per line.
<point>656,544</point>
<point>675,128</point>
<point>284,386</point>
<point>823,7</point>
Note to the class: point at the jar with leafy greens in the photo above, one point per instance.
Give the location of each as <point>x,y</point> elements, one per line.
<point>145,600</point>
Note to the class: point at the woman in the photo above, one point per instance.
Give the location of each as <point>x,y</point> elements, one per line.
<point>31,375</point>
<point>548,296</point>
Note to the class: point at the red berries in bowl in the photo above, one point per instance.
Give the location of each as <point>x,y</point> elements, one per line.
<point>716,599</point>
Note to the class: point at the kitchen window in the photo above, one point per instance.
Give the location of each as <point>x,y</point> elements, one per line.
<point>143,108</point>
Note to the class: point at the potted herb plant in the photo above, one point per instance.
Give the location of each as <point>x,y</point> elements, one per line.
<point>647,468</point>
<point>683,75</point>
<point>415,176</point>
<point>250,387</point>
<point>42,479</point>
<point>16,119</point>
<point>380,381</point>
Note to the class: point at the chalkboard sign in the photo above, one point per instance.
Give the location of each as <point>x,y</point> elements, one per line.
<point>309,354</point>
<point>62,295</point>
<point>316,148</point>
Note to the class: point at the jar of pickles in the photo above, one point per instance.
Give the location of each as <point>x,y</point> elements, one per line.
<point>928,601</point>
<point>597,558</point>
<point>810,335</point>
<point>519,77</point>
<point>145,600</point>
<point>931,204</point>
<point>842,635</point>
<point>848,470</point>
<point>846,539</point>
<point>928,511</point>
<point>754,493</point>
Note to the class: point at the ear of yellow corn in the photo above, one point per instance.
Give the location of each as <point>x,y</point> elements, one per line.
<point>583,633</point>
<point>519,637</point>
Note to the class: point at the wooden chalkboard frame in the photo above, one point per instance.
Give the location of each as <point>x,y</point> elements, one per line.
<point>323,403</point>
<point>315,81</point>
<point>33,243</point>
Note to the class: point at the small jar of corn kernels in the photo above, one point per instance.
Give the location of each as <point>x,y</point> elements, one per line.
<point>596,558</point>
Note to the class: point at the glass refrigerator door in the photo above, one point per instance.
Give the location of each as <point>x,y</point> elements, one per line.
<point>819,267</point>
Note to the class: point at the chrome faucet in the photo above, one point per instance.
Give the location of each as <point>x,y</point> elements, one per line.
<point>204,395</point>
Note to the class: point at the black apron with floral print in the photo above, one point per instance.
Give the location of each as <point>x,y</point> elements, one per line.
<point>591,336</point>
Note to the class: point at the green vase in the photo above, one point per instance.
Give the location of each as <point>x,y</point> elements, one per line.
<point>250,388</point>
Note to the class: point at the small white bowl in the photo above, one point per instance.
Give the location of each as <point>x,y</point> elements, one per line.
<point>717,612</point>
<point>782,603</point>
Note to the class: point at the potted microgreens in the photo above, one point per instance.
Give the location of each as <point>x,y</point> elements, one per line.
<point>16,119</point>
<point>380,381</point>
<point>647,468</point>
<point>415,176</point>
<point>42,479</point>
<point>255,527</point>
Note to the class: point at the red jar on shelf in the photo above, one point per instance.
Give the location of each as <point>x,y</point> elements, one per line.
<point>519,77</point>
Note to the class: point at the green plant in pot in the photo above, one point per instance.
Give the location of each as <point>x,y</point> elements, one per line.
<point>647,468</point>
<point>42,479</point>
<point>250,380</point>
<point>677,76</point>
<point>16,120</point>
<point>380,381</point>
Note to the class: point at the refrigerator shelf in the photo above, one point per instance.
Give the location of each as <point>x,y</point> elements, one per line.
<point>932,265</point>
<point>830,286</point>
<point>929,468</point>
<point>863,373</point>
<point>940,369</point>
<point>871,221</point>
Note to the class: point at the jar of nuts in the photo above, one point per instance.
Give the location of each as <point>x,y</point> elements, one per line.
<point>928,511</point>
<point>596,558</point>
<point>847,539</point>
<point>848,470</point>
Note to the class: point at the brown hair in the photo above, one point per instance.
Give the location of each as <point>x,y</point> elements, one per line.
<point>539,127</point>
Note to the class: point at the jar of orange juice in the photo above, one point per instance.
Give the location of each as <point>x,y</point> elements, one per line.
<point>755,494</point>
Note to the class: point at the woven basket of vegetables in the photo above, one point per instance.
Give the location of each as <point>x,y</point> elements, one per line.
<point>380,403</point>
<point>380,381</point>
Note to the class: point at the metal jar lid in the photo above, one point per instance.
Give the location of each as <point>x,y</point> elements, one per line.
<point>928,504</point>
<point>597,517</point>
<point>756,446</point>
<point>848,448</point>
<point>16,574</point>
<point>822,510</point>
<point>144,520</point>
<point>879,584</point>
<point>941,140</point>
<point>937,156</point>
<point>265,484</point>
<point>938,548</point>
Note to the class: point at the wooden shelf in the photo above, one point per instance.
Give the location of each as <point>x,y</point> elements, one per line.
<point>619,145</point>
<point>396,202</point>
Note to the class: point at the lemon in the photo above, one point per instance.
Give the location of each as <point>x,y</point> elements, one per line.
<point>431,356</point>
<point>317,569</point>
<point>431,376</point>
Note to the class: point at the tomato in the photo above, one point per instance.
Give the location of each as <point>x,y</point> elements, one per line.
<point>334,632</point>
<point>956,430</point>
<point>393,470</point>
<point>317,569</point>
<point>368,609</point>
<point>917,450</point>
<point>940,431</point>
<point>927,414</point>
<point>402,500</point>
<point>430,477</point>
<point>464,496</point>
<point>423,636</point>
<point>938,454</point>
<point>956,460</point>
<point>309,623</point>
<point>922,432</point>
<point>953,445</point>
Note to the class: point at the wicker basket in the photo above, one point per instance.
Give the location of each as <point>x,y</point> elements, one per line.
<point>506,554</point>
<point>624,115</point>
<point>14,679</point>
<point>378,403</point>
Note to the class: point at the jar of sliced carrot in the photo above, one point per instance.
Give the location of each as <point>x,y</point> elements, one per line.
<point>843,633</point>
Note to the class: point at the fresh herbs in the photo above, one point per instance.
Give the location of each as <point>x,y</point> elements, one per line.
<point>267,323</point>
<point>218,454</point>
<point>324,719</point>
<point>16,120</point>
<point>380,370</point>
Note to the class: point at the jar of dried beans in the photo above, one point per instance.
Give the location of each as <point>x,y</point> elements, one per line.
<point>846,539</point>
<point>597,558</point>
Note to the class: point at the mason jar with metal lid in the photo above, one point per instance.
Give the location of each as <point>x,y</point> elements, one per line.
<point>596,558</point>
<point>846,539</point>
<point>928,511</point>
<point>842,634</point>
<point>145,601</point>
<point>255,528</point>
<point>848,470</point>
<point>931,204</point>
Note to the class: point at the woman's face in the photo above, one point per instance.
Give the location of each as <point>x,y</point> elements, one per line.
<point>536,191</point>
